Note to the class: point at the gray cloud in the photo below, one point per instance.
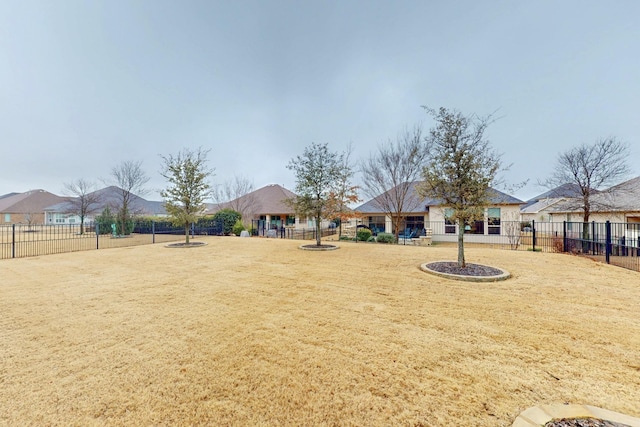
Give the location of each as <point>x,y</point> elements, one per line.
<point>84,86</point>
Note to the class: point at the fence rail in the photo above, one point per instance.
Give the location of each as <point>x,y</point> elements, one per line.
<point>613,243</point>
<point>259,228</point>
<point>19,241</point>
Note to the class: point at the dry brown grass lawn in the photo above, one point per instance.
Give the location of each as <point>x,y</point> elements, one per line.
<point>258,332</point>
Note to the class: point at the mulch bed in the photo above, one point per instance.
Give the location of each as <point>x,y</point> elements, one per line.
<point>583,422</point>
<point>186,245</point>
<point>475,270</point>
<point>319,246</point>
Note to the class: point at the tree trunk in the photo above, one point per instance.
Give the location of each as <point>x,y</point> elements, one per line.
<point>186,233</point>
<point>585,232</point>
<point>461,261</point>
<point>318,235</point>
<point>396,227</point>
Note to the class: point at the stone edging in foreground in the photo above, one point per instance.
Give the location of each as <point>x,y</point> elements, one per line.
<point>540,415</point>
<point>496,278</point>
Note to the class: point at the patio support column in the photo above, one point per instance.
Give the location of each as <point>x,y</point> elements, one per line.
<point>388,224</point>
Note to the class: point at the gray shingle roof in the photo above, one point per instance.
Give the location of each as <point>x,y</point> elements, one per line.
<point>110,196</point>
<point>623,197</point>
<point>269,199</point>
<point>540,205</point>
<point>33,201</point>
<point>418,204</point>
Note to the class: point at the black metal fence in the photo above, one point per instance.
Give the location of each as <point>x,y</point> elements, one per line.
<point>261,228</point>
<point>204,227</point>
<point>19,241</point>
<point>613,243</point>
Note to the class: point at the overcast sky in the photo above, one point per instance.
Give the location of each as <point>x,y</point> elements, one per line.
<point>85,85</point>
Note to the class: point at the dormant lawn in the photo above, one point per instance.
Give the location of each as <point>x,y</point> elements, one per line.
<point>257,332</point>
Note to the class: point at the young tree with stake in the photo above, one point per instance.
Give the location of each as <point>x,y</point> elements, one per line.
<point>317,172</point>
<point>187,174</point>
<point>462,168</point>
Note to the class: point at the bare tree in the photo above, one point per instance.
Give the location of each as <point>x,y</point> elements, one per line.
<point>236,194</point>
<point>591,169</point>
<point>513,230</point>
<point>130,179</point>
<point>84,200</point>
<point>462,168</point>
<point>188,175</point>
<point>390,173</point>
<point>30,219</point>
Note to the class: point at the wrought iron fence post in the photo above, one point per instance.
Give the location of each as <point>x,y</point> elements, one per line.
<point>13,240</point>
<point>533,236</point>
<point>608,241</point>
<point>593,238</point>
<point>564,236</point>
<point>97,235</point>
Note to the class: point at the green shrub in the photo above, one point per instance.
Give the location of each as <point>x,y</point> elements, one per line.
<point>229,217</point>
<point>238,227</point>
<point>104,220</point>
<point>386,238</point>
<point>363,234</point>
<point>345,238</point>
<point>371,239</point>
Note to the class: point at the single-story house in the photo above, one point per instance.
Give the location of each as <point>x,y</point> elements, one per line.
<point>27,207</point>
<point>65,213</point>
<point>267,208</point>
<point>428,213</point>
<point>619,204</point>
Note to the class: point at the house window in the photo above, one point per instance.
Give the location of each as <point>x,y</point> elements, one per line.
<point>493,220</point>
<point>449,224</point>
<point>291,220</point>
<point>7,217</point>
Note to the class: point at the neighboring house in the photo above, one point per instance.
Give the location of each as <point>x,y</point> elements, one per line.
<point>63,212</point>
<point>620,203</point>
<point>540,210</point>
<point>26,208</point>
<point>266,204</point>
<point>540,207</point>
<point>267,207</point>
<point>432,214</point>
<point>567,190</point>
